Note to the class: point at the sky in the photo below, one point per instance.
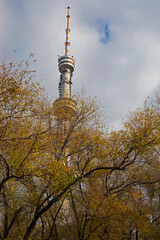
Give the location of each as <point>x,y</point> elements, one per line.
<point>116,46</point>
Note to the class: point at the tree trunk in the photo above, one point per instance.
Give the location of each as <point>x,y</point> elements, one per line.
<point>136,234</point>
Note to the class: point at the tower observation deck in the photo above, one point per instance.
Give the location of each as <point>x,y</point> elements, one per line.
<point>66,66</point>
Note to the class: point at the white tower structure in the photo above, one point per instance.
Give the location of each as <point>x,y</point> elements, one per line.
<point>65,107</point>
<point>66,66</point>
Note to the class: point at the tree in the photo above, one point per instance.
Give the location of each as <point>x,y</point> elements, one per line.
<point>106,176</point>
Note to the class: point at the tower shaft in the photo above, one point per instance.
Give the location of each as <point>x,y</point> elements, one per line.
<point>65,91</point>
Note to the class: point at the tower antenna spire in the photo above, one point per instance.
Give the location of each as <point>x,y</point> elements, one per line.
<point>67,43</point>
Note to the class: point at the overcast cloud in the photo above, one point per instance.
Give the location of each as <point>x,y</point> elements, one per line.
<point>116,45</point>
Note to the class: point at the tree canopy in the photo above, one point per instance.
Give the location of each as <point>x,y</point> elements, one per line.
<point>74,179</point>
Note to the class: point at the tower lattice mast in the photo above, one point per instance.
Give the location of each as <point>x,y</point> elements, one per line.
<point>67,43</point>
<point>66,66</point>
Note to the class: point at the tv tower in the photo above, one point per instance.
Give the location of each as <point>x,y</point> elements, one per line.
<point>66,66</point>
<point>65,107</point>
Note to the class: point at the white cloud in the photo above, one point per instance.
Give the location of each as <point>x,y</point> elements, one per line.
<point>2,18</point>
<point>121,72</point>
<point>4,26</point>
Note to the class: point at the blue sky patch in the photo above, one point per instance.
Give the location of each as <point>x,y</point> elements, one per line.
<point>103,29</point>
<point>105,38</point>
